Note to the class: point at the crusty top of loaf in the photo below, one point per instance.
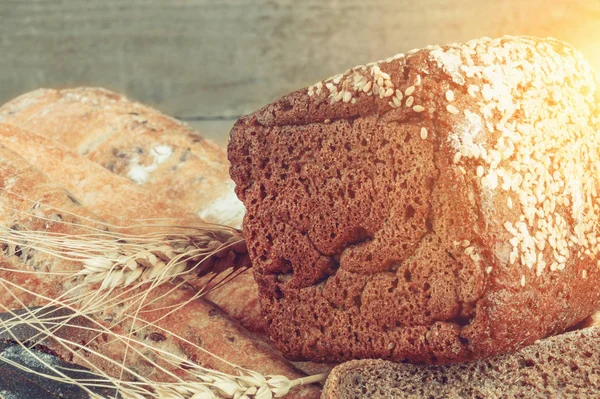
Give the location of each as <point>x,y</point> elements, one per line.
<point>530,166</point>
<point>435,206</point>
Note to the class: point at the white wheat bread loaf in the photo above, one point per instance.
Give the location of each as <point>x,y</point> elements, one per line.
<point>559,367</point>
<point>135,141</point>
<point>30,201</point>
<point>438,206</point>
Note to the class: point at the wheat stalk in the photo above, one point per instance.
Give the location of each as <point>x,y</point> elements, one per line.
<point>202,383</point>
<point>118,260</point>
<point>247,385</point>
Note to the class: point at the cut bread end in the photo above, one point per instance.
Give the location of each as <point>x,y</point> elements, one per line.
<point>563,366</point>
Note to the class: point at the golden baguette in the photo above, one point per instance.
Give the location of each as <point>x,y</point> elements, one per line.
<point>115,199</point>
<point>157,152</point>
<point>30,202</point>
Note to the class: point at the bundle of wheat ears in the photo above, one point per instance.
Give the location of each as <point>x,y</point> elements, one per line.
<point>108,282</point>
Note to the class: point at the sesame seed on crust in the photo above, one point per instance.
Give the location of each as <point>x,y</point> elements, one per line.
<point>542,161</point>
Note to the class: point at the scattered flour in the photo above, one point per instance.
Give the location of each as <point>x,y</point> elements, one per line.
<point>227,209</point>
<point>139,173</point>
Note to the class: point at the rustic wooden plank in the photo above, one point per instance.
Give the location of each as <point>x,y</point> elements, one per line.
<point>224,58</point>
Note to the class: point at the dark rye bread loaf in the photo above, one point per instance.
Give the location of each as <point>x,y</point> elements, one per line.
<point>435,207</point>
<point>560,367</point>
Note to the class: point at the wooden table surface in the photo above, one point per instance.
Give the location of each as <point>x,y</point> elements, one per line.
<point>208,62</point>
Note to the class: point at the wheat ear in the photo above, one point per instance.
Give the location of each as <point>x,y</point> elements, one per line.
<point>118,260</point>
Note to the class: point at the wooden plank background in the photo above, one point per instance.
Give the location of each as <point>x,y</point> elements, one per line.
<point>209,61</point>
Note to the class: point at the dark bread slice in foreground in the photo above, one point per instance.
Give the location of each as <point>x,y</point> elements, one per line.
<point>563,366</point>
<point>435,207</point>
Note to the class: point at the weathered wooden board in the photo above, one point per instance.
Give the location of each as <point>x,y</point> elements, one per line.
<point>219,59</point>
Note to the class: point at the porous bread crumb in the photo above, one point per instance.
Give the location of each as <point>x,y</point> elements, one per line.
<point>563,366</point>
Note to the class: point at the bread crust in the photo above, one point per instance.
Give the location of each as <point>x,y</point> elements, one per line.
<point>433,207</point>
<point>115,199</point>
